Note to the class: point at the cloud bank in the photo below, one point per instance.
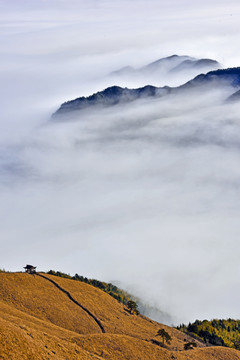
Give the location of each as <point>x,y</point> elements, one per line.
<point>145,194</point>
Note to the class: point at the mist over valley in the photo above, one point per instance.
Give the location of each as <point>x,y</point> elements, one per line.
<point>135,178</point>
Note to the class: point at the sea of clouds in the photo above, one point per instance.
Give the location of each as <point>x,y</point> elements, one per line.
<point>146,194</point>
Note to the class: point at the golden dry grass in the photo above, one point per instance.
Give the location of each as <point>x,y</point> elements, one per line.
<point>36,296</point>
<point>38,321</point>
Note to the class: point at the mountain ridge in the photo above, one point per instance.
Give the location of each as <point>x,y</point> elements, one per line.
<point>173,63</point>
<point>115,94</point>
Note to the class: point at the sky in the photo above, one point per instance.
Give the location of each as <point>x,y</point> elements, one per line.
<point>145,195</point>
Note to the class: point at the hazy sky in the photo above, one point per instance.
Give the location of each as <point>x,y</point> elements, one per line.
<point>148,194</point>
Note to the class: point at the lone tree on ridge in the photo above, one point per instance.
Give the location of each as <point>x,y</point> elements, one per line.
<point>132,307</point>
<point>164,335</point>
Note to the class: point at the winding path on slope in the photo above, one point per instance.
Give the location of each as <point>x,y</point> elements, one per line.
<point>74,301</point>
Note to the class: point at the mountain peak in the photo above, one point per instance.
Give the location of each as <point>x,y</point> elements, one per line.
<point>168,65</point>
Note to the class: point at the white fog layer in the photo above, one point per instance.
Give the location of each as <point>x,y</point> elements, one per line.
<point>144,194</point>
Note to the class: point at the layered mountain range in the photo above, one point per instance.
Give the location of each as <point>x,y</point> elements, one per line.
<point>221,79</point>
<point>171,65</point>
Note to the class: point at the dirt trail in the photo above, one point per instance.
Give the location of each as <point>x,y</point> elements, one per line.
<point>74,301</point>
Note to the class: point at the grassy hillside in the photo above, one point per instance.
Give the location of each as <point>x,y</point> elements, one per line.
<point>114,291</point>
<point>54,318</point>
<point>215,332</point>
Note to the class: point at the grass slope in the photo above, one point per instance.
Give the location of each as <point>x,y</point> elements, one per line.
<point>38,321</point>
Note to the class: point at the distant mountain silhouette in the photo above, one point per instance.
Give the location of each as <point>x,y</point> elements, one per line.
<point>116,95</point>
<point>201,65</point>
<point>111,96</point>
<point>170,64</point>
<point>223,77</point>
